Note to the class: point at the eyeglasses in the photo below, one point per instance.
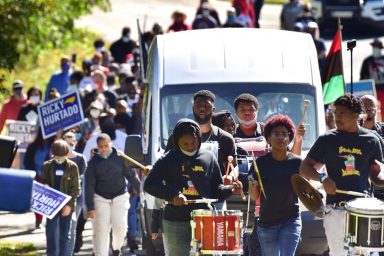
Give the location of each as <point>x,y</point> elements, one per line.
<point>278,134</point>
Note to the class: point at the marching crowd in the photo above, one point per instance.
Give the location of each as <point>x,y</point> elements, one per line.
<point>85,162</point>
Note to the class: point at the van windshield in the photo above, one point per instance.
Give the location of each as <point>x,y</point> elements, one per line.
<point>274,98</point>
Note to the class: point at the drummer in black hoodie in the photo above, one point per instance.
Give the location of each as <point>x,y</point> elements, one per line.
<point>185,173</point>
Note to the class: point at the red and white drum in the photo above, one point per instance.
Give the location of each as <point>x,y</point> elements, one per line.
<point>216,232</point>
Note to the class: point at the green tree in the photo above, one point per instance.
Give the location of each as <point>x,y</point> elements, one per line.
<point>29,26</point>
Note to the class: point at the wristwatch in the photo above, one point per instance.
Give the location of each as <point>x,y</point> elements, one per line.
<point>322,177</point>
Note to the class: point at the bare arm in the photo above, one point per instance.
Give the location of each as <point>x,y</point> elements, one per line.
<point>376,175</point>
<point>298,140</point>
<point>308,170</point>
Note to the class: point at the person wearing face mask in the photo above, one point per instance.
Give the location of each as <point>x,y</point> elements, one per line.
<point>77,225</point>
<point>61,174</point>
<point>246,106</point>
<point>106,196</point>
<point>28,112</point>
<point>179,23</point>
<point>186,172</point>
<point>74,81</point>
<point>108,126</point>
<point>204,20</point>
<point>125,45</point>
<point>60,79</point>
<point>100,92</point>
<point>11,107</point>
<point>373,68</point>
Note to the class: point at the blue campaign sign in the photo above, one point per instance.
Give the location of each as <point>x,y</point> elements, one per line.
<point>62,113</point>
<point>363,87</point>
<point>47,201</point>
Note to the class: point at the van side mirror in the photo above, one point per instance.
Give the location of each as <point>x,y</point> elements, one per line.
<point>134,149</point>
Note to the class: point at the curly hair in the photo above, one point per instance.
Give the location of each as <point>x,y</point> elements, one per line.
<point>205,94</point>
<point>247,98</point>
<point>351,102</point>
<point>276,121</point>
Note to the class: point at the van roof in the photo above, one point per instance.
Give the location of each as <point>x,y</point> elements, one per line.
<point>236,55</point>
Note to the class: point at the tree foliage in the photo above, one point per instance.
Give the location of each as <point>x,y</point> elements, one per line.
<point>28,26</point>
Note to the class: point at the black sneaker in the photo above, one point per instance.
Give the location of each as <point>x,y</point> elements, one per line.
<point>78,245</point>
<point>116,253</point>
<point>133,245</point>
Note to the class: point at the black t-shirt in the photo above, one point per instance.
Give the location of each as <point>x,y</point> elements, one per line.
<point>379,128</point>
<point>281,203</point>
<point>259,131</point>
<point>347,157</point>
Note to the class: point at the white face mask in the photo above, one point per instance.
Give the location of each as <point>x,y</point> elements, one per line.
<point>59,159</point>
<point>247,124</point>
<point>106,155</point>
<point>188,153</point>
<point>95,113</point>
<point>34,99</point>
<point>376,52</point>
<point>72,88</point>
<point>125,39</point>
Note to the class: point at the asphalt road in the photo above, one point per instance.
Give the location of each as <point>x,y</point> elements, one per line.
<point>126,13</point>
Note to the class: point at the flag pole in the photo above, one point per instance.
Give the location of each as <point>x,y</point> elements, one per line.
<point>340,28</point>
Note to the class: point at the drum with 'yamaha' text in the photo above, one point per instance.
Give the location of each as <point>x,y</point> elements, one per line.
<point>216,232</point>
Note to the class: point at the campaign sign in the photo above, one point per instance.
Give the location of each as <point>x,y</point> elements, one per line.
<point>24,132</point>
<point>47,201</point>
<point>363,87</point>
<point>62,113</point>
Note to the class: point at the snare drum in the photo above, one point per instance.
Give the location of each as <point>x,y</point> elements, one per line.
<point>364,228</point>
<point>216,232</point>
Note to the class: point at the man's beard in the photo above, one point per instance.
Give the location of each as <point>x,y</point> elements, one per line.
<point>369,118</point>
<point>204,120</point>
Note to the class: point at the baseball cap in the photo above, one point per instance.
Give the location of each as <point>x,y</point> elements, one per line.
<point>17,84</point>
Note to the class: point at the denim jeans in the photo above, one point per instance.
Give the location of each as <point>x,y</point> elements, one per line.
<point>177,238</point>
<point>281,239</point>
<point>73,226</point>
<point>251,242</point>
<point>58,233</point>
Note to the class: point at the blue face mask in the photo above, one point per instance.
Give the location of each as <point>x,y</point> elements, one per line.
<point>78,136</point>
<point>106,155</point>
<point>65,67</point>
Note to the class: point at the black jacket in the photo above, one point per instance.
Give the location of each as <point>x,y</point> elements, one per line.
<point>106,177</point>
<point>176,173</point>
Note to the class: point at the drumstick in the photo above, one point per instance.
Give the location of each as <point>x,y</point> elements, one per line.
<point>243,197</point>
<point>307,103</point>
<point>230,158</point>
<point>258,175</point>
<point>120,153</point>
<point>197,201</point>
<point>351,193</point>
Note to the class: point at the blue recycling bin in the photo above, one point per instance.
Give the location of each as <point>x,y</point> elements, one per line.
<point>16,189</point>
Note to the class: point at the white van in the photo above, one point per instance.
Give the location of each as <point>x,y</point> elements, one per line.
<point>280,68</point>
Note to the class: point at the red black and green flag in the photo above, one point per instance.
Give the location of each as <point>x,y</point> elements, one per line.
<point>332,77</point>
